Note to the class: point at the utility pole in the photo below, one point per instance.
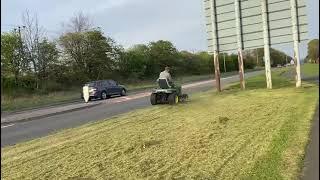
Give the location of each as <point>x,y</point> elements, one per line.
<point>295,34</point>
<point>266,41</point>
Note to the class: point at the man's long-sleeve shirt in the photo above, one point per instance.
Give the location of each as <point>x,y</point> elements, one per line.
<point>165,75</point>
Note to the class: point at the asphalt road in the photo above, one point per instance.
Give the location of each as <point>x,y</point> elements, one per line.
<point>311,162</point>
<point>24,131</point>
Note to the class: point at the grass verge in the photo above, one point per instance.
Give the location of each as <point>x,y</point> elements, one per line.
<point>309,70</point>
<point>252,134</point>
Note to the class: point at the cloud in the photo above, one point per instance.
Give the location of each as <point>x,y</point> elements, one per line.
<point>146,21</point>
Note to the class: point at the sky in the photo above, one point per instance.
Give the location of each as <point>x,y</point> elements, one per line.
<point>131,22</point>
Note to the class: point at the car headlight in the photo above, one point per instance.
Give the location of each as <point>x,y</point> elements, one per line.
<point>92,90</point>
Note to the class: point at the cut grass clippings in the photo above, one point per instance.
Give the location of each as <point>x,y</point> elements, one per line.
<point>252,134</point>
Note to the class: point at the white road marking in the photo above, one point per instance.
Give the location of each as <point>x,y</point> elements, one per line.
<point>7,126</point>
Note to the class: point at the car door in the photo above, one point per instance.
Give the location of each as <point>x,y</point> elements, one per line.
<point>118,88</point>
<point>114,87</point>
<point>107,87</point>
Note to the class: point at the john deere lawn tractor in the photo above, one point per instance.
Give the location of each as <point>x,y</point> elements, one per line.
<point>167,94</point>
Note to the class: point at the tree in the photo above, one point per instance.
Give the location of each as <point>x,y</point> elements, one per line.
<point>91,55</point>
<point>190,63</point>
<point>162,53</point>
<point>313,50</point>
<point>79,23</point>
<point>249,59</point>
<point>32,35</point>
<point>206,62</point>
<point>277,57</point>
<point>48,56</point>
<point>133,63</point>
<point>11,60</point>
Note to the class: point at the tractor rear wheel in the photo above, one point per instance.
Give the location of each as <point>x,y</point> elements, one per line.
<point>173,98</point>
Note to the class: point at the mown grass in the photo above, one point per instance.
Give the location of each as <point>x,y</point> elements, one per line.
<point>252,134</point>
<point>309,69</point>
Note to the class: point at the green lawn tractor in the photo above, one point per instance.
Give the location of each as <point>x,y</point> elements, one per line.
<point>167,94</point>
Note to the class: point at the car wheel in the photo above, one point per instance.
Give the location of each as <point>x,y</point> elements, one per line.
<point>153,99</point>
<point>104,95</point>
<point>123,92</point>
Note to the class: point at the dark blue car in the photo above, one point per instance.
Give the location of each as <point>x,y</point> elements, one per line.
<point>103,89</point>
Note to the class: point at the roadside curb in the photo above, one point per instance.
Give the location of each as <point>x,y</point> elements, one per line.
<point>5,122</point>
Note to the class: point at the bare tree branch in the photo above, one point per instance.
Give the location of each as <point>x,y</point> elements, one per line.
<point>79,23</point>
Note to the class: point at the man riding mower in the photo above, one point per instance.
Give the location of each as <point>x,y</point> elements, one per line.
<point>167,92</point>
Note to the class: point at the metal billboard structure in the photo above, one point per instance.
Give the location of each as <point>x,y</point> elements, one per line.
<point>236,25</point>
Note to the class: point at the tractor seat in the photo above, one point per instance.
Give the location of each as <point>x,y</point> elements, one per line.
<point>164,84</point>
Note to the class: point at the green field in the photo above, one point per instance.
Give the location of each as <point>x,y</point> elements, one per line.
<point>252,134</point>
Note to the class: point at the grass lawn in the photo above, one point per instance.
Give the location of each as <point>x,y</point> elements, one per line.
<point>252,134</point>
<point>308,69</point>
<point>33,101</point>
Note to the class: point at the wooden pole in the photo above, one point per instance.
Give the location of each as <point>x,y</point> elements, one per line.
<point>295,40</point>
<point>266,40</point>
<point>224,62</point>
<point>241,69</point>
<point>239,42</point>
<point>217,71</point>
<point>257,57</point>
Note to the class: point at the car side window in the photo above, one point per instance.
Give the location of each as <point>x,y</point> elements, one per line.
<point>112,83</point>
<point>105,83</point>
<point>99,83</point>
